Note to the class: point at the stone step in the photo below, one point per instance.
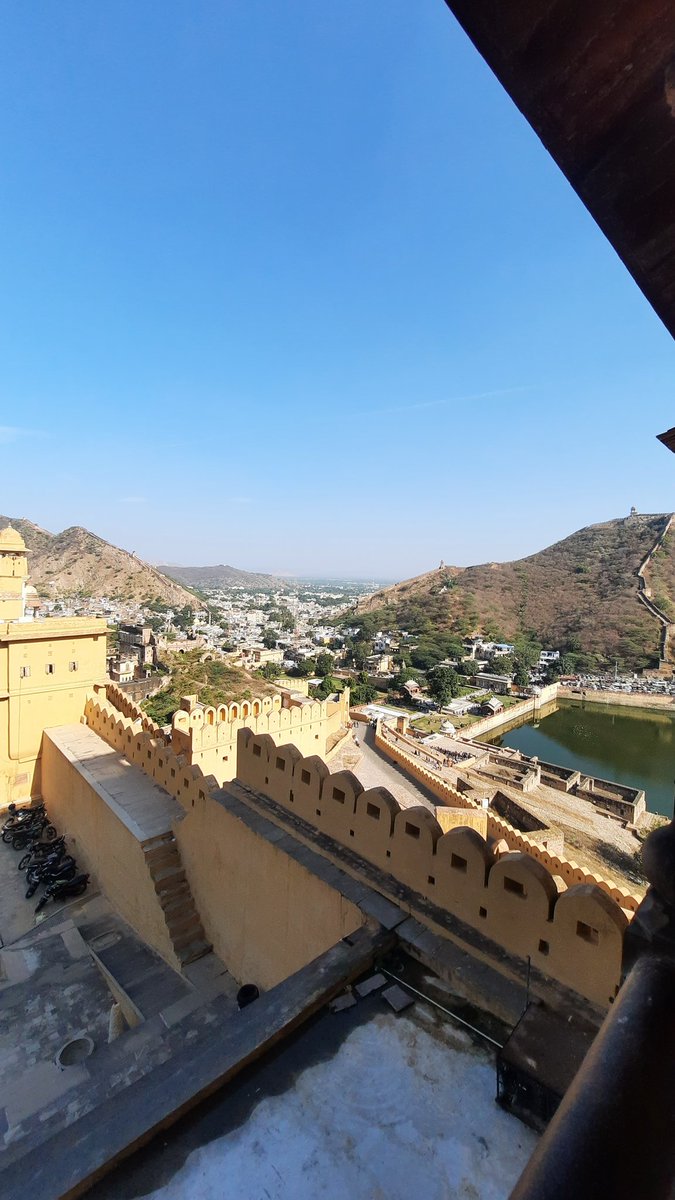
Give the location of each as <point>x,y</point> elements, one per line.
<point>177,904</point>
<point>159,843</point>
<point>171,889</point>
<point>157,858</point>
<point>186,939</point>
<point>194,951</point>
<point>175,871</point>
<point>178,922</point>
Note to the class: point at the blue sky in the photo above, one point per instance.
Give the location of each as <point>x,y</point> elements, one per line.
<point>294,286</point>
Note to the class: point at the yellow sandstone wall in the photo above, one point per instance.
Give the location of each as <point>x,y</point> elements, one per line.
<point>265,914</point>
<point>105,847</point>
<point>207,736</point>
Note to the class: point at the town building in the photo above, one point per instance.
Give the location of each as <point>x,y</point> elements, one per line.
<point>495,683</point>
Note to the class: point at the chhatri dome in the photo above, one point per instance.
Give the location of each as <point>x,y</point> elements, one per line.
<point>11,541</point>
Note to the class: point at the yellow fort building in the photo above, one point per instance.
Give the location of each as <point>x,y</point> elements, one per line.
<point>47,667</point>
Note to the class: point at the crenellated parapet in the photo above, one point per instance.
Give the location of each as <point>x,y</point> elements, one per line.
<point>125,705</point>
<point>573,933</point>
<point>500,829</point>
<point>207,734</point>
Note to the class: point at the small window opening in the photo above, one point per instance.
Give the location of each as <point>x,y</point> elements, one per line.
<point>514,886</point>
<point>588,933</point>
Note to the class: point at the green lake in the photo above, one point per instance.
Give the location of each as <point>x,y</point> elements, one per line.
<point>627,745</point>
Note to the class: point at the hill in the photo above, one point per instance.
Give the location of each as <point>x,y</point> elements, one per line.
<point>222,576</point>
<point>580,594</point>
<point>77,562</point>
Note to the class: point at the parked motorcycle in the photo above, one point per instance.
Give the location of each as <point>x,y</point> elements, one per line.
<point>62,891</point>
<point>38,829</point>
<point>41,851</point>
<point>21,818</point>
<point>60,873</point>
<point>49,866</point>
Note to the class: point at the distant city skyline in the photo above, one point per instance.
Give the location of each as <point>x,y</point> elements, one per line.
<point>298,289</point>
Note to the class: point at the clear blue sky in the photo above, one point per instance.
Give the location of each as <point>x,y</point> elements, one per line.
<point>294,286</point>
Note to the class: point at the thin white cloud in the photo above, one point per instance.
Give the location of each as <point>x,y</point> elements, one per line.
<point>403,408</point>
<point>133,500</point>
<point>12,433</point>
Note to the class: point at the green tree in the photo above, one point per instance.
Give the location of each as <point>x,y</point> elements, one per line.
<point>324,663</point>
<point>270,638</point>
<point>285,619</point>
<point>521,675</point>
<point>469,667</point>
<point>443,684</point>
<point>360,654</point>
<point>362,693</point>
<point>269,670</point>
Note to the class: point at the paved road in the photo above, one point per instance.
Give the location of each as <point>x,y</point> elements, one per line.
<point>376,770</point>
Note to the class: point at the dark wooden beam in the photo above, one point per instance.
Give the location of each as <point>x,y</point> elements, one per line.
<point>596,80</point>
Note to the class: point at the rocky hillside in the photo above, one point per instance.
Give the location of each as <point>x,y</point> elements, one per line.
<point>222,576</point>
<point>581,593</point>
<point>78,562</point>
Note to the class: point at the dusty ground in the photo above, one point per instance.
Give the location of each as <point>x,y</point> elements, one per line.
<point>591,838</point>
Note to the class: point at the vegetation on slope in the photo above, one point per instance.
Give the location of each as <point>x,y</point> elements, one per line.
<point>579,595</point>
<point>214,682</point>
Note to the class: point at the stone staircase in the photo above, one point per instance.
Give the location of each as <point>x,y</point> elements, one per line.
<point>173,891</point>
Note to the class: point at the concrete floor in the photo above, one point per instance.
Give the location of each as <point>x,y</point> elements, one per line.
<point>361,1103</point>
<point>376,770</point>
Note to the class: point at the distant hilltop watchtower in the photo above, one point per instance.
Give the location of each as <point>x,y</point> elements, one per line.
<point>442,566</point>
<point>633,511</point>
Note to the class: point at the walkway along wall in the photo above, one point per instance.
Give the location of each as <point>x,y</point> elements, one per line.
<point>575,937</point>
<point>501,829</point>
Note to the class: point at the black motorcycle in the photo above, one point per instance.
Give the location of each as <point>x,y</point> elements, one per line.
<point>61,891</point>
<point>40,851</point>
<point>33,832</point>
<point>21,818</point>
<point>60,873</point>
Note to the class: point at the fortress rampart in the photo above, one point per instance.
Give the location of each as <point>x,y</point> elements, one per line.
<point>207,735</point>
<point>574,936</point>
